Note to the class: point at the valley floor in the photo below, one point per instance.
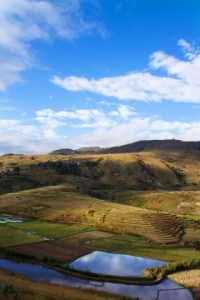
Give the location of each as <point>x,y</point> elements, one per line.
<point>61,224</point>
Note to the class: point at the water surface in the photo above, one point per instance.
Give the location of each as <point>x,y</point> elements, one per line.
<point>5,220</point>
<point>166,290</point>
<point>114,264</point>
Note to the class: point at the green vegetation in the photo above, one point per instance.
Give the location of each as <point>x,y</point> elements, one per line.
<point>165,270</point>
<point>192,217</point>
<point>62,204</point>
<point>50,230</point>
<point>9,236</point>
<point>34,231</point>
<point>8,290</point>
<point>134,245</point>
<point>142,204</point>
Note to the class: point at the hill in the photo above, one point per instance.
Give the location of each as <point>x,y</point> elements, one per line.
<point>63,204</point>
<point>170,145</point>
<point>115,177</point>
<point>156,146</point>
<point>164,181</point>
<point>89,150</point>
<point>65,151</point>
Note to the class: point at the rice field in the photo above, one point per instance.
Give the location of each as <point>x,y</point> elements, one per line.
<point>60,206</point>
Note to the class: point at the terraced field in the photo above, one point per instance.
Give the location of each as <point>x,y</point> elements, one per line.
<point>61,224</point>
<point>62,205</point>
<point>177,202</point>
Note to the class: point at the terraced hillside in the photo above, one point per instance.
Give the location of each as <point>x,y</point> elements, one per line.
<point>179,202</point>
<point>63,204</point>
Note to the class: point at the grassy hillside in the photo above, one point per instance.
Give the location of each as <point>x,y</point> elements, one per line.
<point>186,203</point>
<point>128,170</point>
<point>63,204</point>
<point>168,182</point>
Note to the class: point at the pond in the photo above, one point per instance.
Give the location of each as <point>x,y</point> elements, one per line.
<point>166,290</point>
<point>114,264</point>
<point>5,220</point>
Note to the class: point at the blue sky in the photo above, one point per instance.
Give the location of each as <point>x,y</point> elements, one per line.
<point>77,73</point>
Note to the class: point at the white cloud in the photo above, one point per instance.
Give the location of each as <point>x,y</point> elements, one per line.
<point>190,51</point>
<point>138,129</point>
<point>99,127</point>
<point>124,112</point>
<point>24,21</point>
<point>181,82</point>
<point>89,118</point>
<point>19,137</point>
<point>115,127</point>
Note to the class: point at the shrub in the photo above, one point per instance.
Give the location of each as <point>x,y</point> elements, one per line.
<point>162,271</point>
<point>9,290</point>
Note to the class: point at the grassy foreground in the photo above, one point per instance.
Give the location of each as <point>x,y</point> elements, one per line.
<point>188,279</point>
<point>17,287</point>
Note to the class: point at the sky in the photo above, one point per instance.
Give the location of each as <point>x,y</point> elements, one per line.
<point>77,73</point>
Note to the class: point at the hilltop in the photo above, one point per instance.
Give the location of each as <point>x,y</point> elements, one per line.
<point>162,175</point>
<point>79,150</point>
<point>65,151</point>
<point>156,146</point>
<point>170,145</point>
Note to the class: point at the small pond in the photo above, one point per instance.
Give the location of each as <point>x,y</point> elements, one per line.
<point>166,290</point>
<point>5,220</point>
<point>114,264</point>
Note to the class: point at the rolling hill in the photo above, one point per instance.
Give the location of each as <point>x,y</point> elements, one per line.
<point>156,146</point>
<point>170,145</point>
<point>63,204</point>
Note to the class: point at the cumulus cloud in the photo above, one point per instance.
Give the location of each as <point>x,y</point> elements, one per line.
<point>181,82</point>
<point>88,118</point>
<point>24,21</point>
<point>52,130</point>
<point>124,112</point>
<point>138,129</point>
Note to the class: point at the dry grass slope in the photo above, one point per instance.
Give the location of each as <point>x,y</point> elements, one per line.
<point>31,290</point>
<point>62,205</point>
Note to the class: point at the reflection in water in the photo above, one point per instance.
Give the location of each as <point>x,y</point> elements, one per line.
<point>168,292</point>
<point>40,273</point>
<point>114,264</point>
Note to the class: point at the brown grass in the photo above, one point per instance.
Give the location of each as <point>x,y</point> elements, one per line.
<point>57,249</point>
<point>45,291</point>
<point>63,206</point>
<point>179,202</point>
<point>163,166</point>
<point>187,278</point>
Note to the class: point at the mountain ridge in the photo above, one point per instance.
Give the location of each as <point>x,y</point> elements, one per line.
<point>167,145</point>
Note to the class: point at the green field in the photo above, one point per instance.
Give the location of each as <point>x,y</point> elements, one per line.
<point>60,204</point>
<point>71,206</point>
<point>50,230</point>
<point>70,217</point>
<point>35,231</point>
